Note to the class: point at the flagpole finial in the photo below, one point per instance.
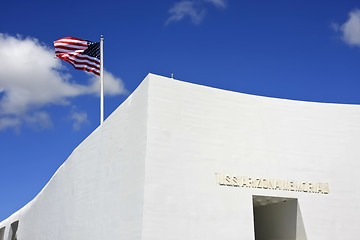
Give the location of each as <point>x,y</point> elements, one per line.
<point>101,36</point>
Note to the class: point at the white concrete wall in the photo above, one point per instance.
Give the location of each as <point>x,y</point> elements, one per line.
<point>98,192</point>
<point>196,131</point>
<point>149,171</point>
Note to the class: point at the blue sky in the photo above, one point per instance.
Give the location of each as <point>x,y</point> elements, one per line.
<point>303,50</point>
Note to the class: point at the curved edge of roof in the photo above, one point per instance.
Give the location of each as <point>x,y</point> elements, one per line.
<point>250,95</point>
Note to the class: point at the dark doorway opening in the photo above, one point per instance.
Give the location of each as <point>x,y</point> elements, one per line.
<point>277,218</point>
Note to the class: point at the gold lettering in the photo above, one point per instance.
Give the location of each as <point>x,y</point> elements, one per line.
<point>304,186</point>
<point>325,188</point>
<point>264,183</point>
<point>256,183</point>
<point>228,180</point>
<point>235,181</point>
<point>315,188</point>
<point>290,186</point>
<point>280,184</point>
<point>219,178</point>
<point>311,188</point>
<point>246,182</point>
<point>272,184</point>
<point>286,186</point>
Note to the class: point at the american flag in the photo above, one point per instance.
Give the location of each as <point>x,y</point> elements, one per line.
<point>82,54</point>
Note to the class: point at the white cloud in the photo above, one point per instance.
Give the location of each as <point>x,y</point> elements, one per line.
<point>112,85</point>
<point>350,29</point>
<point>6,122</point>
<point>193,9</point>
<point>39,120</point>
<point>183,9</point>
<point>79,118</point>
<point>31,78</point>
<point>218,3</point>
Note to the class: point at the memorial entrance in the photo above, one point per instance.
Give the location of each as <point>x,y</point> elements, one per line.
<point>277,218</point>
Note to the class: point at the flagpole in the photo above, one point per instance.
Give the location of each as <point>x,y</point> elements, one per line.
<point>101,80</point>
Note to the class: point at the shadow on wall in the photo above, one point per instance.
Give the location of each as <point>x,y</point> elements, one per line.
<point>2,233</point>
<point>12,231</point>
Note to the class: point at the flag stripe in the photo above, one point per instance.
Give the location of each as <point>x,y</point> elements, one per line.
<point>73,40</point>
<point>82,54</point>
<point>85,67</point>
<point>77,59</point>
<point>84,62</point>
<point>75,62</point>
<point>66,46</point>
<point>81,57</point>
<point>64,51</point>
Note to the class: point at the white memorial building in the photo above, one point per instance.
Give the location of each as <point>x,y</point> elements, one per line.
<point>182,161</point>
